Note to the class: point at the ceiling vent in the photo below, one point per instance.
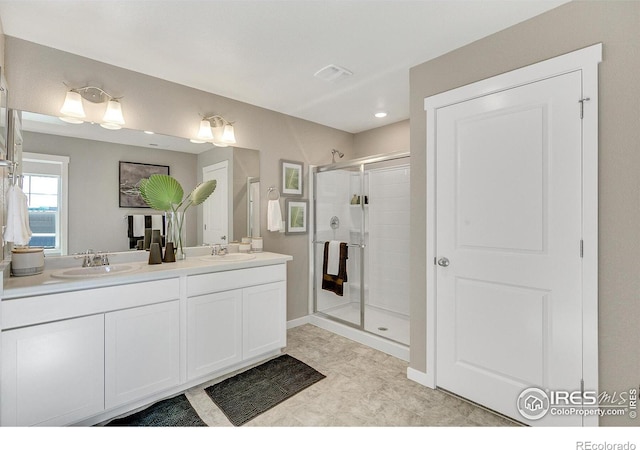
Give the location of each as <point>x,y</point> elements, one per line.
<point>332,73</point>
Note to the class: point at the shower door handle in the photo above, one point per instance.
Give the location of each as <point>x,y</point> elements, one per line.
<point>443,262</point>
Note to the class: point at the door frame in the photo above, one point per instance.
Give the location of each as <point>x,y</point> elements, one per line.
<point>585,60</point>
<point>224,164</point>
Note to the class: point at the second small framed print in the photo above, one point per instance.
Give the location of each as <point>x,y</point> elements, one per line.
<point>291,173</point>
<point>296,212</point>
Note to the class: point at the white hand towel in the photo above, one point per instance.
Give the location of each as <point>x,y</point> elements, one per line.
<point>274,216</point>
<point>156,222</point>
<point>333,258</point>
<point>138,225</point>
<point>17,229</point>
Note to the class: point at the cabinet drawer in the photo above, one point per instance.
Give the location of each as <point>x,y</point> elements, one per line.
<point>48,308</point>
<point>234,279</point>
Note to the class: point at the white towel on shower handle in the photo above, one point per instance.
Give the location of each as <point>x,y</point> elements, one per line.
<point>138,225</point>
<point>333,258</point>
<point>274,216</point>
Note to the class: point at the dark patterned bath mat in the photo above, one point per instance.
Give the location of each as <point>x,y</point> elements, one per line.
<point>172,412</point>
<point>248,394</point>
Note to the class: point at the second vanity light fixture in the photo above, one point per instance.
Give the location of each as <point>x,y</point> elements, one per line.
<point>217,130</point>
<point>73,111</point>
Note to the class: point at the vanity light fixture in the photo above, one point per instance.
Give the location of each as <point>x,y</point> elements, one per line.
<point>217,130</point>
<point>73,111</point>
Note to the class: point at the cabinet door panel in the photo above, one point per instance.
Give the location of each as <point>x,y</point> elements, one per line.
<point>214,332</point>
<point>53,374</point>
<point>142,351</point>
<point>263,319</point>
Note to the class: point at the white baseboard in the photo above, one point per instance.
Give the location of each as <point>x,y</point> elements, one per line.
<point>297,322</point>
<point>420,378</point>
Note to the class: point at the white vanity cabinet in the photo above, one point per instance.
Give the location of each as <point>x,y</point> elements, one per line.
<point>214,332</point>
<point>82,353</point>
<point>68,356</point>
<point>142,352</point>
<point>234,316</point>
<point>53,374</point>
<point>264,326</point>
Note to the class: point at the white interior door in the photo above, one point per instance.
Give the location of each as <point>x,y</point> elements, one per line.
<point>215,211</point>
<point>509,211</point>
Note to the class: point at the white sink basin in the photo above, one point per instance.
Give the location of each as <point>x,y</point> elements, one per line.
<point>98,271</point>
<point>231,257</point>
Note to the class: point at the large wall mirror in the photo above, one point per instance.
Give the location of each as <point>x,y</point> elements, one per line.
<point>92,155</point>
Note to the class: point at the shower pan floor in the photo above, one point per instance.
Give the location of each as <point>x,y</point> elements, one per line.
<point>379,321</point>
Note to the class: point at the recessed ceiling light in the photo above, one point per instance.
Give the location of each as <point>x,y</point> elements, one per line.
<point>380,114</point>
<point>149,132</point>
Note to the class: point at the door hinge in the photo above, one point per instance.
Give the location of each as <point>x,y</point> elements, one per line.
<point>581,101</point>
<point>435,263</point>
<point>581,248</point>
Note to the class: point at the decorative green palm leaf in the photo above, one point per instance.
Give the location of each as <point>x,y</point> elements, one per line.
<point>165,193</point>
<point>202,192</point>
<point>161,192</point>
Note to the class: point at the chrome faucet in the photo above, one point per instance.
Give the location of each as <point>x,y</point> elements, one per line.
<point>87,260</point>
<point>218,250</point>
<point>104,259</point>
<point>91,258</point>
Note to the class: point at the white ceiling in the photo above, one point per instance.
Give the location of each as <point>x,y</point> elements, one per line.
<point>266,52</point>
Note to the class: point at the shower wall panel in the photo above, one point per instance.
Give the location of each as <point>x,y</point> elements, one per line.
<point>389,239</point>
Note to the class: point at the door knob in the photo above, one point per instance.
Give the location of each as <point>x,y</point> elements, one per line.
<point>443,262</point>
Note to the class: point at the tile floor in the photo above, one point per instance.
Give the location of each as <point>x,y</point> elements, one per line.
<point>363,387</point>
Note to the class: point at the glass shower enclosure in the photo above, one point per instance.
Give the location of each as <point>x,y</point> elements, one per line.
<point>363,205</point>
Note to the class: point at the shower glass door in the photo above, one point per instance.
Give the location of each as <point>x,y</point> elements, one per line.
<point>387,210</point>
<point>339,216</point>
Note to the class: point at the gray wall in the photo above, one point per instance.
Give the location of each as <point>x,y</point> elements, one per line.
<point>36,74</point>
<point>569,27</point>
<point>390,138</point>
<point>95,220</point>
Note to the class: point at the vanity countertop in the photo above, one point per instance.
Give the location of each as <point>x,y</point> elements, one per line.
<point>45,283</point>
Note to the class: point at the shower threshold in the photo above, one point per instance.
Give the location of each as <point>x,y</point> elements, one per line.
<point>373,340</point>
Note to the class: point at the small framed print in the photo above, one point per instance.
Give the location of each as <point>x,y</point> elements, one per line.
<point>130,175</point>
<point>296,211</point>
<point>291,173</point>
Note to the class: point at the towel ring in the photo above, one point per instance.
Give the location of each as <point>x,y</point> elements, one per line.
<point>270,190</point>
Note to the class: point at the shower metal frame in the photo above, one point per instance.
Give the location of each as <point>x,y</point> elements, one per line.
<point>314,241</point>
